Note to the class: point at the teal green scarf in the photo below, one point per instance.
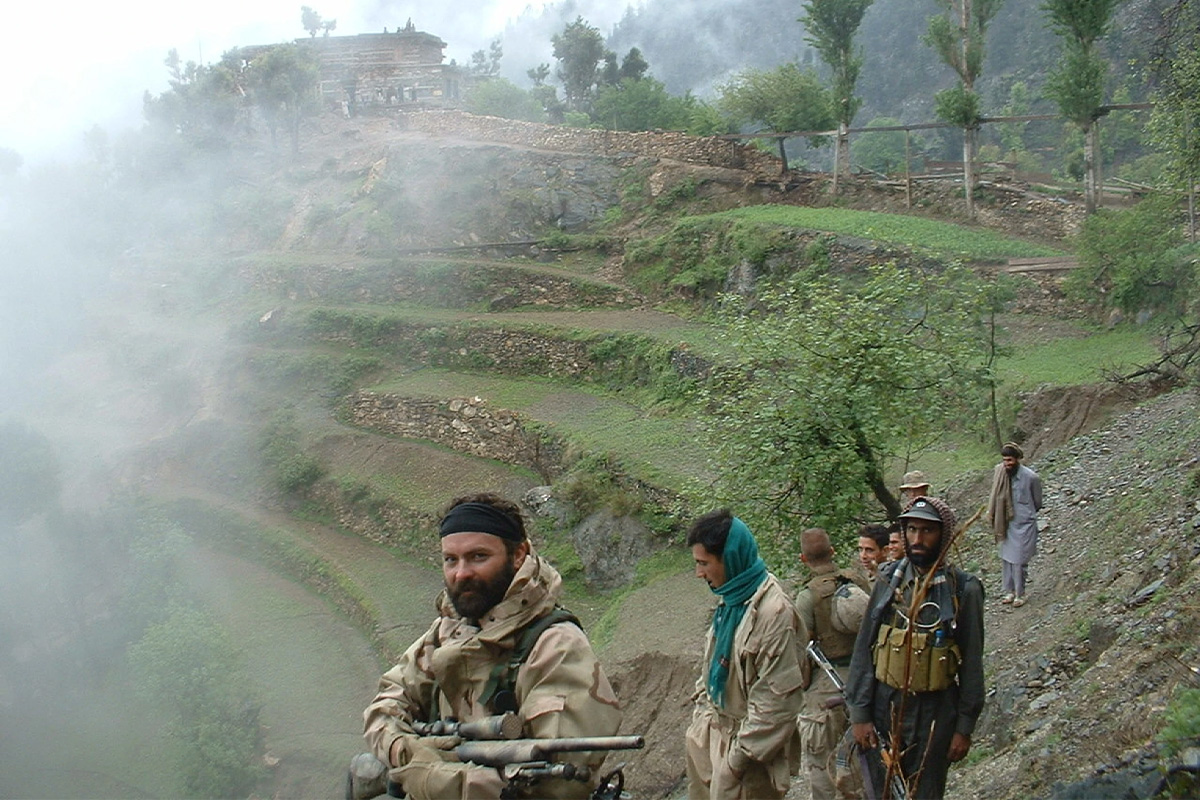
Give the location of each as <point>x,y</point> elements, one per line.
<point>744,573</point>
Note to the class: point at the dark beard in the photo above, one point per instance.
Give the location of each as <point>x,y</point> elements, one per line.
<point>923,559</point>
<point>474,597</point>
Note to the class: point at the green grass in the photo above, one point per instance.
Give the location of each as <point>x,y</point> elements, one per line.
<point>939,238</point>
<point>421,485</point>
<point>959,453</point>
<point>591,418</point>
<point>1067,360</point>
<point>1075,361</point>
<point>664,563</point>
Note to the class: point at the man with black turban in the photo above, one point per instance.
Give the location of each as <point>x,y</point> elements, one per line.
<point>916,687</point>
<point>498,590</point>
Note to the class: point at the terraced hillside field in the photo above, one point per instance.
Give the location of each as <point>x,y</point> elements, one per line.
<point>301,391</point>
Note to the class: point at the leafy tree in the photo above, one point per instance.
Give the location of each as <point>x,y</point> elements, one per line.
<point>1174,128</point>
<point>642,105</point>
<point>283,83</point>
<point>883,151</point>
<point>310,20</point>
<point>579,50</point>
<point>1136,260</point>
<point>610,73</point>
<point>538,74</point>
<point>996,297</point>
<point>1012,134</point>
<point>188,664</point>
<point>1124,131</point>
<point>487,65</point>
<point>832,25</point>
<point>1130,260</point>
<point>204,102</point>
<point>784,99</point>
<point>835,379</point>
<point>957,36</point>
<point>705,119</point>
<point>1077,83</point>
<point>498,97</point>
<point>292,469</point>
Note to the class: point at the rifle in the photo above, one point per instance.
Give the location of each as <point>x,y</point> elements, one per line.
<point>492,742</point>
<point>898,790</point>
<point>521,762</point>
<point>502,726</point>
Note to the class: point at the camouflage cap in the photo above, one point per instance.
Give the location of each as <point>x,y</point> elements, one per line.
<point>914,480</point>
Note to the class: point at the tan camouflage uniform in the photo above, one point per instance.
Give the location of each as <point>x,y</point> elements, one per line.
<point>822,727</point>
<point>561,690</point>
<point>756,731</point>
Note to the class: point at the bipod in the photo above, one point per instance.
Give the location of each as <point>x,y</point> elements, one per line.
<point>611,786</point>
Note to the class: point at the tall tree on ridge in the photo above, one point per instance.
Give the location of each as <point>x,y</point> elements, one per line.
<point>831,26</point>
<point>1077,82</point>
<point>283,81</point>
<point>579,50</point>
<point>957,36</point>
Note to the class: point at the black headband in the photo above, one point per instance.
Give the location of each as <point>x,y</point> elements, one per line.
<point>482,518</point>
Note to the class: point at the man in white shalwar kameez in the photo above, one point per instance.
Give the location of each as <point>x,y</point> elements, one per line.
<point>1015,500</point>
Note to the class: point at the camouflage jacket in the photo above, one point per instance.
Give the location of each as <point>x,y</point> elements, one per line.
<point>561,690</point>
<point>756,730</point>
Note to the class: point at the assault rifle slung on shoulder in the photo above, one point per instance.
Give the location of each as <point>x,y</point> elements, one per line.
<point>492,742</point>
<point>898,791</point>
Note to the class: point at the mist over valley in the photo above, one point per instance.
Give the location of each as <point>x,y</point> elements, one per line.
<point>250,347</point>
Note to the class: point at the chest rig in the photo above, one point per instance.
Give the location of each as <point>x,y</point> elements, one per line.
<point>918,652</point>
<point>499,692</point>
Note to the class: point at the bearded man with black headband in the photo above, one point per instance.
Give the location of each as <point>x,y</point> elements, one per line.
<point>916,673</point>
<point>498,591</point>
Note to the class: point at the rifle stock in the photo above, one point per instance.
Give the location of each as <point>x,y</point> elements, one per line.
<point>517,759</point>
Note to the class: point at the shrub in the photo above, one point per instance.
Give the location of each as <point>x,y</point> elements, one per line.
<point>1183,723</point>
<point>292,470</point>
<point>188,665</point>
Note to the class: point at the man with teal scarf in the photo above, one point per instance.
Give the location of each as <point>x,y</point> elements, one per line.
<point>743,741</point>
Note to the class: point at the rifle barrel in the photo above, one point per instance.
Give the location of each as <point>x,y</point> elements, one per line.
<point>500,753</point>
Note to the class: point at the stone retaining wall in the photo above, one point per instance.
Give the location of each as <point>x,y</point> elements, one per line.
<point>707,150</point>
<point>429,283</point>
<point>470,425</point>
<point>465,424</point>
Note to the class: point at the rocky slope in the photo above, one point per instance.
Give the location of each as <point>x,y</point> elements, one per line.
<point>1079,678</point>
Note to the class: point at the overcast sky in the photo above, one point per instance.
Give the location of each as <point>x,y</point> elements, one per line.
<point>69,66</point>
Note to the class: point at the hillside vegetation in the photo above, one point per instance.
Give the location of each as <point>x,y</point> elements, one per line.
<point>300,387</point>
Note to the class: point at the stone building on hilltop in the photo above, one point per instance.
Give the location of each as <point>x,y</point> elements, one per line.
<point>386,69</point>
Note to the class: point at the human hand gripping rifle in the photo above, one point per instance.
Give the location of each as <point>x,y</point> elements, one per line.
<point>898,791</point>
<point>492,742</point>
